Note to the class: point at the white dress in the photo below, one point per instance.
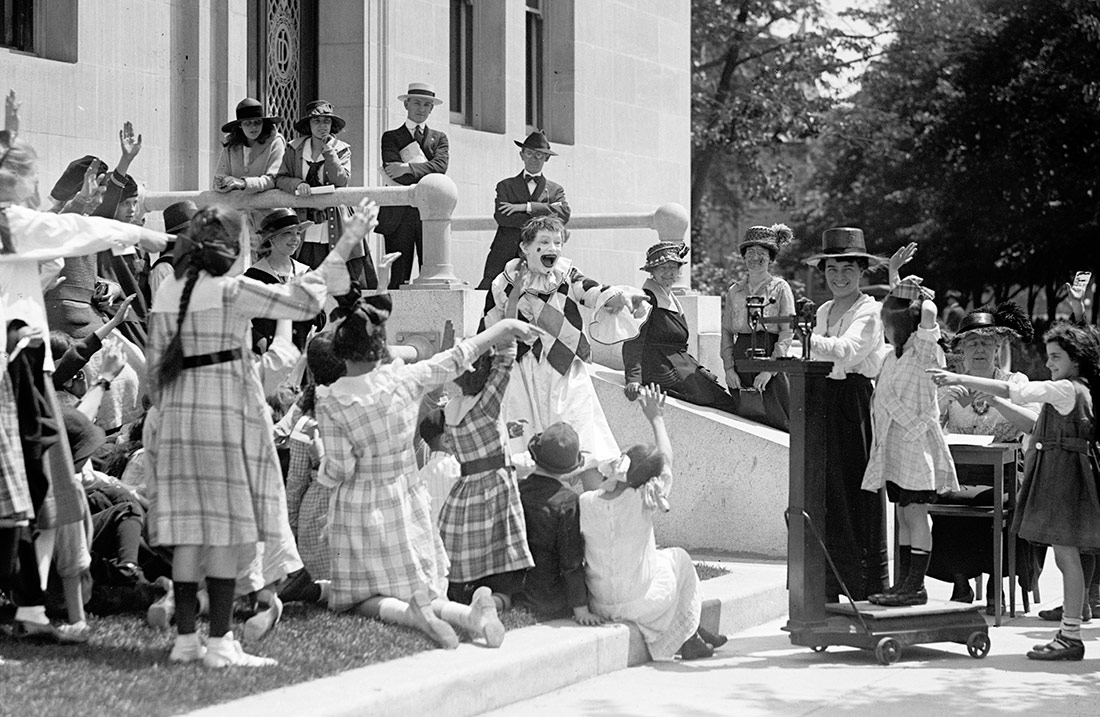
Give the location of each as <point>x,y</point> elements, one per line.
<point>629,579</point>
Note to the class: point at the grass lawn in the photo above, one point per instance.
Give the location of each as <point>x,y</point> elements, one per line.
<point>123,670</point>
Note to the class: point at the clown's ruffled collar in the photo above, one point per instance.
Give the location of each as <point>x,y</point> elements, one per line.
<point>537,282</point>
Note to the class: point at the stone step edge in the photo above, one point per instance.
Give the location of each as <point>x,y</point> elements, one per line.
<point>533,661</point>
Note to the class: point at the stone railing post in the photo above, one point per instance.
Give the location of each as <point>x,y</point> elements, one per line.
<point>436,195</point>
<point>671,224</point>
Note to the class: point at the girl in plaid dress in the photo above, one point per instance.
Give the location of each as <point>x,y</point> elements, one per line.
<point>482,520</point>
<point>909,453</point>
<point>217,482</point>
<point>385,554</point>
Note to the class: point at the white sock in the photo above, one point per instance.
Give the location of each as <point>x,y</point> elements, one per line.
<point>34,613</point>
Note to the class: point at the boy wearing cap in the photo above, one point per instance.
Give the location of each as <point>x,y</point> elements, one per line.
<point>528,194</point>
<point>177,218</point>
<point>551,509</point>
<point>410,152</point>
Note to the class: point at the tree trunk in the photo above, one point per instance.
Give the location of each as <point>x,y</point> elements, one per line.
<point>700,172</point>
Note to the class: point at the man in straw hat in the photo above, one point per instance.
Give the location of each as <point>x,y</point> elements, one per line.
<point>528,194</point>
<point>408,153</point>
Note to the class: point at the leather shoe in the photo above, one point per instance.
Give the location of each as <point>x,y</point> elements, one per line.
<point>1060,648</point>
<point>711,639</point>
<point>905,598</point>
<point>1055,615</point>
<point>695,649</point>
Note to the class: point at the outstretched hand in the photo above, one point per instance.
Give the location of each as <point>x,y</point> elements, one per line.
<point>363,220</point>
<point>652,399</point>
<point>944,378</point>
<point>113,362</point>
<point>130,144</point>
<point>900,258</point>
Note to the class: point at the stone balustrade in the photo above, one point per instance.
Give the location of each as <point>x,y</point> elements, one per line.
<point>436,196</point>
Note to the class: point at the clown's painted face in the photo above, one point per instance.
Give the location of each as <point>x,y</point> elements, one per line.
<point>543,252</point>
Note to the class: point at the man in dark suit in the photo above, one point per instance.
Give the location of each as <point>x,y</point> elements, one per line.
<point>528,194</point>
<point>408,153</point>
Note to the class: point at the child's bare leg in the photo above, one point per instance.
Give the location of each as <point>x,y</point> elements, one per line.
<point>417,614</point>
<point>479,618</point>
<point>1067,644</point>
<point>919,525</point>
<point>1068,560</point>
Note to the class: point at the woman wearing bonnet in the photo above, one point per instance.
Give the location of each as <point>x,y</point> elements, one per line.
<point>759,249</point>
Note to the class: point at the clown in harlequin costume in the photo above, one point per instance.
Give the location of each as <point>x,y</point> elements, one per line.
<point>550,382</point>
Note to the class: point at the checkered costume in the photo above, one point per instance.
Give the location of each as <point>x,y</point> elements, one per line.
<point>15,498</point>
<point>551,383</point>
<point>380,526</point>
<point>307,501</point>
<point>482,521</point>
<point>216,478</point>
<point>908,447</point>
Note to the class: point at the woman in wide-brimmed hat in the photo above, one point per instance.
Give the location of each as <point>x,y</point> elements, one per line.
<point>981,346</point>
<point>252,151</point>
<point>848,332</point>
<point>281,233</point>
<point>659,355</point>
<point>317,158</point>
<point>759,249</point>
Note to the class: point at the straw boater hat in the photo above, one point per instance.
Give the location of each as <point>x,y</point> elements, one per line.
<point>664,252</point>
<point>319,108</point>
<point>280,219</point>
<point>843,243</point>
<point>1006,320</point>
<point>249,108</point>
<point>771,238</point>
<point>420,89</point>
<point>536,141</point>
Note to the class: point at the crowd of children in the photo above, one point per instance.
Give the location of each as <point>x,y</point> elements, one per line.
<point>198,459</point>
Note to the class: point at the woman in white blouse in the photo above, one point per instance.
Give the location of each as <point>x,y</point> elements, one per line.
<point>849,333</point>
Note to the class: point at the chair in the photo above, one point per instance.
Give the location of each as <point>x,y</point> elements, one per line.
<point>1002,458</point>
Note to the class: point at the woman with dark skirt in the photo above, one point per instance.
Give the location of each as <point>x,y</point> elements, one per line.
<point>282,236</point>
<point>981,344</point>
<point>849,332</point>
<point>759,249</point>
<point>659,354</point>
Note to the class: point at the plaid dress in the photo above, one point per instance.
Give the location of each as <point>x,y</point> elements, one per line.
<point>307,502</point>
<point>380,525</point>
<point>908,448</point>
<point>15,497</point>
<point>482,521</point>
<point>215,474</point>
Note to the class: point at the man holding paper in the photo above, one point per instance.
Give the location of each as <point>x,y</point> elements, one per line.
<point>408,153</point>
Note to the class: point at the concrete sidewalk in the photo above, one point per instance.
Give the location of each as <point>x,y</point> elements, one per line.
<point>533,661</point>
<point>759,672</point>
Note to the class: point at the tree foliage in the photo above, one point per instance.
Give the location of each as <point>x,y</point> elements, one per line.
<point>977,134</point>
<point>757,75</point>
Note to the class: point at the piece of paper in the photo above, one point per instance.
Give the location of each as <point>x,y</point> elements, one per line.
<point>323,189</point>
<point>967,439</point>
<point>413,153</point>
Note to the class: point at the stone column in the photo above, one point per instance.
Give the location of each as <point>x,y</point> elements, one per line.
<point>436,195</point>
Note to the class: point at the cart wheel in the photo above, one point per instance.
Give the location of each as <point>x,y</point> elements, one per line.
<point>978,645</point>
<point>888,651</point>
<point>819,648</point>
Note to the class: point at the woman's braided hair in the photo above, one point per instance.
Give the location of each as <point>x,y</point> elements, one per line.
<point>210,244</point>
